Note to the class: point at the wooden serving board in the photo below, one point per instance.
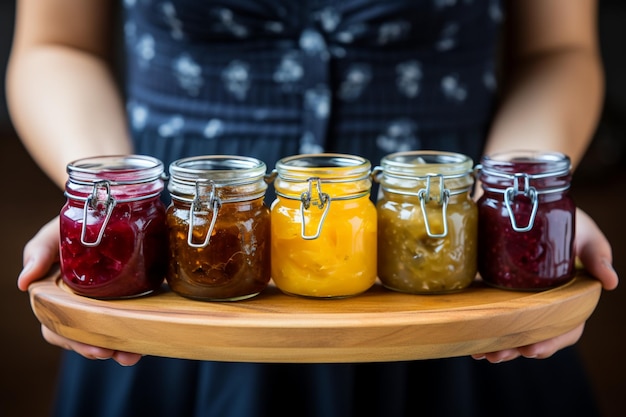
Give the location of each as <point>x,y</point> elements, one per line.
<point>379,325</point>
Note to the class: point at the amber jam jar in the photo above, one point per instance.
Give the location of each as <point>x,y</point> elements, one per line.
<point>219,228</point>
<point>526,220</point>
<point>323,226</point>
<point>113,233</point>
<point>427,222</point>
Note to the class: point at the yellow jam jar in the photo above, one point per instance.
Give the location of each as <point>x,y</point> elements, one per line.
<point>427,222</point>
<point>323,226</point>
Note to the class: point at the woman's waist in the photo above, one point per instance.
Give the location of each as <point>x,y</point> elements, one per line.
<point>213,119</point>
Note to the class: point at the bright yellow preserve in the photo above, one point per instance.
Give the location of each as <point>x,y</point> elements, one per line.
<point>323,226</point>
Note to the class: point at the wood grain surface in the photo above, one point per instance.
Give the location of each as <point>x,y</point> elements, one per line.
<point>379,325</point>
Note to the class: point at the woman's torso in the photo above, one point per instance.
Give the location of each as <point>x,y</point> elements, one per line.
<point>272,78</point>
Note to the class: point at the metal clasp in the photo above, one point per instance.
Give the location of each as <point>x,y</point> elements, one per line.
<point>376,174</point>
<point>92,202</point>
<point>269,178</point>
<point>424,197</point>
<point>214,205</point>
<point>322,202</point>
<point>528,191</point>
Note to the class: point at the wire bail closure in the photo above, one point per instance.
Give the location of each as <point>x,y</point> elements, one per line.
<point>528,191</point>
<point>214,205</point>
<point>93,201</point>
<point>424,197</point>
<point>322,202</point>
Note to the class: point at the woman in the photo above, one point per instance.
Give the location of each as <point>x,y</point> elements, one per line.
<point>274,78</point>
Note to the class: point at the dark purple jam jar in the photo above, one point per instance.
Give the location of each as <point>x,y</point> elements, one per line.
<point>526,220</point>
<point>113,228</point>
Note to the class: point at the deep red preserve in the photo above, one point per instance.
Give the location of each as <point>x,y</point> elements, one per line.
<point>130,257</point>
<point>516,249</point>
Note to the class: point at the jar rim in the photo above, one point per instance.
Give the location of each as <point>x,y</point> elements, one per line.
<point>117,169</point>
<point>323,165</point>
<point>522,170</point>
<point>539,163</point>
<point>427,162</point>
<point>223,169</point>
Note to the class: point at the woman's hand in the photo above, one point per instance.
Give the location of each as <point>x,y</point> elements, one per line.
<point>594,251</point>
<point>88,351</point>
<point>40,255</point>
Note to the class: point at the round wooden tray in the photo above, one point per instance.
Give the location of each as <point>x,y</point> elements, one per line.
<point>379,325</point>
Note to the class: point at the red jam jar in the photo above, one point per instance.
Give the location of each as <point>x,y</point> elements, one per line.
<point>219,227</point>
<point>526,220</point>
<point>113,231</point>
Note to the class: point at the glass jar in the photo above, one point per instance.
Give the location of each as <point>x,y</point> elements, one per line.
<point>427,222</point>
<point>113,233</point>
<point>323,226</point>
<point>219,228</point>
<point>526,220</point>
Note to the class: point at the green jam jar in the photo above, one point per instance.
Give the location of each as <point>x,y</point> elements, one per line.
<point>427,222</point>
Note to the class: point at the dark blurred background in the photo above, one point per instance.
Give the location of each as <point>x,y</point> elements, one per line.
<point>29,365</point>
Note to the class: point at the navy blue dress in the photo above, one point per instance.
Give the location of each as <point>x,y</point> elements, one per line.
<point>272,78</point>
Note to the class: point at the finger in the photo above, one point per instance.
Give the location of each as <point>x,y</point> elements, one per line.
<point>40,253</point>
<point>594,251</point>
<point>89,351</point>
<point>126,358</point>
<point>539,350</point>
<point>547,348</point>
<point>498,356</point>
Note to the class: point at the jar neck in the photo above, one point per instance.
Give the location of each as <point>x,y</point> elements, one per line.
<point>429,172</point>
<point>523,177</point>
<point>338,176</point>
<point>522,171</point>
<point>222,178</point>
<point>123,178</point>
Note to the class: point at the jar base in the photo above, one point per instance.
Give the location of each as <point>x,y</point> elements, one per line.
<point>321,297</point>
<point>224,300</point>
<point>117,297</point>
<point>427,292</point>
<point>528,289</point>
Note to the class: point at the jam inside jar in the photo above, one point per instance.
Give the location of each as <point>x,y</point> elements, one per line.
<point>219,228</point>
<point>427,222</point>
<point>323,226</point>
<point>112,227</point>
<point>526,220</point>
